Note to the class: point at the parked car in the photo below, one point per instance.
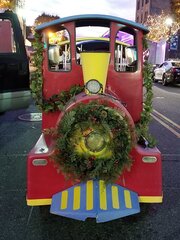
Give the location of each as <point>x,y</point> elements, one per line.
<point>168,72</point>
<point>14,65</point>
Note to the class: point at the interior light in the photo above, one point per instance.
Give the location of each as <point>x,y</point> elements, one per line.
<point>50,34</point>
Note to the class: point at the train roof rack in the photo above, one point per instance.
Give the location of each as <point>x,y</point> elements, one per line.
<point>93,19</point>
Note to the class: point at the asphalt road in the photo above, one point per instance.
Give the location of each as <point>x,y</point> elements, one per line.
<point>155,221</point>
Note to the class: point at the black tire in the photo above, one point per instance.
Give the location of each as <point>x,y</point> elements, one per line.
<point>164,81</point>
<point>44,211</point>
<point>155,80</point>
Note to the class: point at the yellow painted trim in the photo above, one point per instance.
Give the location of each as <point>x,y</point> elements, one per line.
<point>89,195</point>
<point>64,199</point>
<point>142,199</point>
<point>150,199</point>
<point>92,38</point>
<point>77,197</point>
<point>95,66</point>
<point>127,197</point>
<point>115,197</point>
<point>39,202</point>
<point>102,195</point>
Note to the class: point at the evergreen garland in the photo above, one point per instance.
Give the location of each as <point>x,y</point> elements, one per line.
<point>58,101</point>
<point>36,77</point>
<point>142,128</point>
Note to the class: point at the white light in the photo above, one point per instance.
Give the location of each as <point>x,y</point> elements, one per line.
<point>39,162</point>
<point>93,86</point>
<point>149,159</point>
<point>20,12</point>
<point>169,22</point>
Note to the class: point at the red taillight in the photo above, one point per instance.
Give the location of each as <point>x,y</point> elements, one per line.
<point>173,70</point>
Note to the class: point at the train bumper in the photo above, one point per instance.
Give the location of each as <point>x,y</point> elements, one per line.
<point>95,199</point>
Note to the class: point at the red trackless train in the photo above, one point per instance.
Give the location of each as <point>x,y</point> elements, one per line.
<point>88,162</point>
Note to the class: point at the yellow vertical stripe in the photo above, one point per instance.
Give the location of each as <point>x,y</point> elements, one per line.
<point>102,195</point>
<point>95,66</point>
<point>127,197</point>
<point>64,199</point>
<point>77,197</point>
<point>115,197</point>
<point>89,195</point>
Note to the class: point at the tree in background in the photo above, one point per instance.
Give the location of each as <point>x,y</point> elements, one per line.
<point>159,28</point>
<point>7,4</point>
<point>44,18</point>
<point>175,8</point>
<point>11,4</point>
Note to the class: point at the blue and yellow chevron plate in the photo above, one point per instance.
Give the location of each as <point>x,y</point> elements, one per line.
<point>95,199</point>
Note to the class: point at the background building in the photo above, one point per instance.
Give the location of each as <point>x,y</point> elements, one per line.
<point>162,50</point>
<point>150,7</point>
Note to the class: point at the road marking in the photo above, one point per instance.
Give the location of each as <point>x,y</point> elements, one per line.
<point>167,119</point>
<point>166,126</point>
<point>160,97</point>
<point>172,156</point>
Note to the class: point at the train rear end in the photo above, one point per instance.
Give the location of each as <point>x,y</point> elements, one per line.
<point>89,161</point>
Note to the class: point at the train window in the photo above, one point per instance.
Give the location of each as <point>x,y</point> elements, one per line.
<point>125,51</point>
<point>91,39</point>
<point>59,51</point>
<point>7,41</point>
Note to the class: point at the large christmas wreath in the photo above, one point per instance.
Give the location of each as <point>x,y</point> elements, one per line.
<point>94,142</point>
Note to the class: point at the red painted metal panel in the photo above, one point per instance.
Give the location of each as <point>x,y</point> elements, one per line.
<point>6,37</point>
<point>143,178</point>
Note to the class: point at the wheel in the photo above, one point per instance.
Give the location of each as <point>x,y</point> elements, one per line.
<point>155,80</point>
<point>164,81</point>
